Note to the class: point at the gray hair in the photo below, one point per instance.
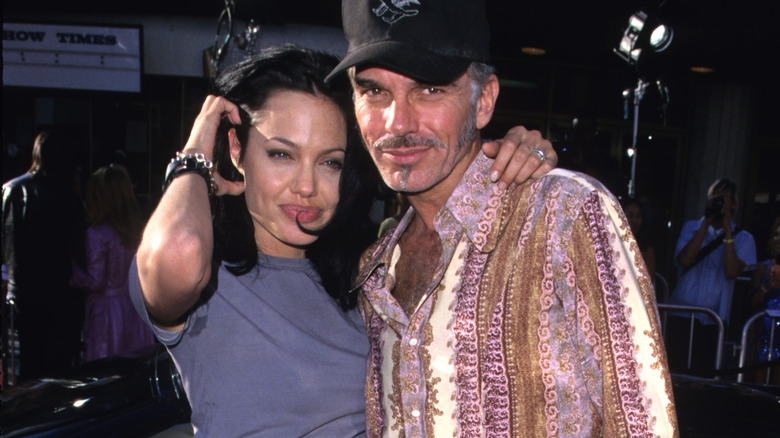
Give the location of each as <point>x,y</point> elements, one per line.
<point>479,74</point>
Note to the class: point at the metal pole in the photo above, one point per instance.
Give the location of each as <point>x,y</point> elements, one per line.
<point>743,350</point>
<point>714,316</point>
<point>639,93</point>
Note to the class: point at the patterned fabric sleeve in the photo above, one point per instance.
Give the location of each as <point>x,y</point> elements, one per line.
<point>636,390</point>
<point>582,310</point>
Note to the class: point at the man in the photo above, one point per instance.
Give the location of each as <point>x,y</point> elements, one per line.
<point>43,226</point>
<point>490,312</point>
<point>710,253</point>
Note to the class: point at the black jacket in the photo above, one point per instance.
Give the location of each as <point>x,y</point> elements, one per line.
<point>42,232</point>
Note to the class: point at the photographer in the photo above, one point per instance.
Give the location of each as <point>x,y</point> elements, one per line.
<point>710,254</point>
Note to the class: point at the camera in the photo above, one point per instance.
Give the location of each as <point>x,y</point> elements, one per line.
<point>714,208</point>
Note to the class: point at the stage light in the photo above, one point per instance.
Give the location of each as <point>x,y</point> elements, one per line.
<point>661,37</point>
<point>637,37</point>
<point>644,32</point>
<point>627,48</point>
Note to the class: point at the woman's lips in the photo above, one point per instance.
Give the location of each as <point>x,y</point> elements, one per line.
<point>302,213</point>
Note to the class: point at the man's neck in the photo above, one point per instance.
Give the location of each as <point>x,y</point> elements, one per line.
<point>428,203</point>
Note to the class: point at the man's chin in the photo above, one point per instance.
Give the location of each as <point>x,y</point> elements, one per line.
<point>408,187</point>
<point>402,180</point>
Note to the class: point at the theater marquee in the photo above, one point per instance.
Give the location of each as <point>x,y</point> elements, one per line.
<point>72,57</point>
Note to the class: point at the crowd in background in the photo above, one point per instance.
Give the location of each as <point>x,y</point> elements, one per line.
<point>66,253</point>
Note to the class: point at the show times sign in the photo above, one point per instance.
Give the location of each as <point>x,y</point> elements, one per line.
<point>62,37</point>
<point>71,56</point>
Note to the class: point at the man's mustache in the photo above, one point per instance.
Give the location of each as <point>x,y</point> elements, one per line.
<point>402,141</point>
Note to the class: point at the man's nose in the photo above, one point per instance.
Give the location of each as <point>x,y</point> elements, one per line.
<point>400,118</point>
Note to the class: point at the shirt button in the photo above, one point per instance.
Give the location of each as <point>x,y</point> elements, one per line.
<point>415,413</point>
<point>413,342</point>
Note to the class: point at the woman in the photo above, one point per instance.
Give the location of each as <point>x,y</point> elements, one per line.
<point>267,338</point>
<point>637,214</point>
<point>766,286</point>
<point>111,324</point>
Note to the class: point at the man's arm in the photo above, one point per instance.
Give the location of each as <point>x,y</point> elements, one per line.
<point>732,264</point>
<point>636,389</point>
<point>688,253</point>
<point>12,224</point>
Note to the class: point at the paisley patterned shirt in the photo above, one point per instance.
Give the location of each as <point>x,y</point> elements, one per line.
<point>540,320</point>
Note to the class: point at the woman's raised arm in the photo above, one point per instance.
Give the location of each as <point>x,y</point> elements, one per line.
<point>174,257</point>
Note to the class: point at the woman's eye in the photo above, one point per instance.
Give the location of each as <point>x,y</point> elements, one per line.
<point>278,154</point>
<point>334,164</point>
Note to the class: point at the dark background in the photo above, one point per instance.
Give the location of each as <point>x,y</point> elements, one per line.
<point>572,94</point>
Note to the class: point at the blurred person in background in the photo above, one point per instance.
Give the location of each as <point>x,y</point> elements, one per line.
<point>710,253</point>
<point>42,227</point>
<point>112,325</point>
<point>766,296</point>
<point>638,213</point>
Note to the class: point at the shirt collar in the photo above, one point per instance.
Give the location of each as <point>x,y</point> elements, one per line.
<point>476,204</point>
<point>380,258</point>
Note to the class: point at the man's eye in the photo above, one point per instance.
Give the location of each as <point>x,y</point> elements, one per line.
<point>372,91</point>
<point>432,90</point>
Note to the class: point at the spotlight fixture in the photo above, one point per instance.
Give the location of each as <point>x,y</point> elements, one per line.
<point>635,37</point>
<point>627,49</point>
<point>661,37</point>
<point>644,32</point>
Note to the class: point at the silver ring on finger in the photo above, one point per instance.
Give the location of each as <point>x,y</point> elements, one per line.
<point>540,153</point>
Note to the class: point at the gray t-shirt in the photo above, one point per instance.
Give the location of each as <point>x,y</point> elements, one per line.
<point>270,354</point>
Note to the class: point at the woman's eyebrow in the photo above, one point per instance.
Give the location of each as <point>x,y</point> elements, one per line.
<point>296,146</point>
<point>286,141</point>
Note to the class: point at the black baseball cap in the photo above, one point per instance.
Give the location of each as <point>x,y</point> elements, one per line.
<point>432,41</point>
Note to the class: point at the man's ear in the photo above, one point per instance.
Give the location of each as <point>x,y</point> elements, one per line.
<point>486,103</point>
<point>235,150</point>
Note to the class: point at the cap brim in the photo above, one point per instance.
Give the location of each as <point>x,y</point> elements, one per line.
<point>418,63</point>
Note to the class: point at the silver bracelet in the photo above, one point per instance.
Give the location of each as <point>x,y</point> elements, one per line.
<point>190,163</point>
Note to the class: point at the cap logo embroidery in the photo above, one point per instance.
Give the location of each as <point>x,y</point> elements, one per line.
<point>391,11</point>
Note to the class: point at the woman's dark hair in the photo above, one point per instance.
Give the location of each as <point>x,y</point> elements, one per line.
<point>645,235</point>
<point>53,153</point>
<point>249,85</point>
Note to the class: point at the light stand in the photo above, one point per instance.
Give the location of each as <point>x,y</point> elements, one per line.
<point>643,31</point>
<point>639,93</point>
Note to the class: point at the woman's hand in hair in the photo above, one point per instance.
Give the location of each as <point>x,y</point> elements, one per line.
<point>515,158</point>
<point>204,133</point>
